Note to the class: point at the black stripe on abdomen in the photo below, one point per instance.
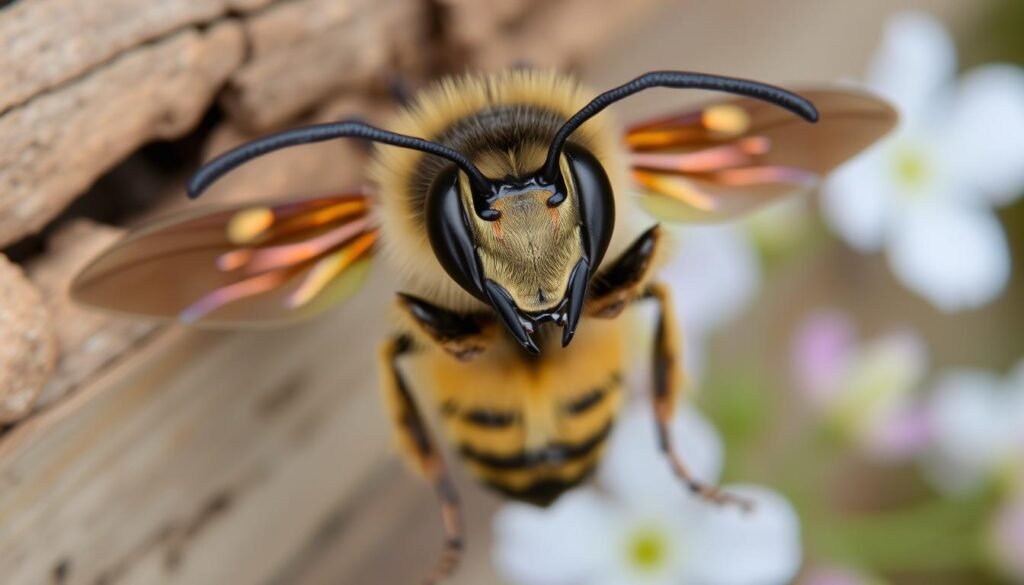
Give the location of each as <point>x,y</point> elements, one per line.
<point>552,455</point>
<point>545,491</point>
<point>593,397</point>
<point>491,418</point>
<point>481,417</point>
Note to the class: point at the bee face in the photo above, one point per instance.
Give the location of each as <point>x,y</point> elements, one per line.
<point>529,246</point>
<point>531,249</point>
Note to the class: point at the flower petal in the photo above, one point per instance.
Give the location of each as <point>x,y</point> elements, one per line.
<point>823,349</point>
<point>978,426</point>
<point>858,199</point>
<point>731,547</point>
<point>901,435</point>
<point>879,385</point>
<point>565,544</point>
<point>985,141</point>
<point>695,360</point>
<point>628,578</point>
<point>954,255</point>
<point>635,470</point>
<point>714,276</point>
<point>917,59</point>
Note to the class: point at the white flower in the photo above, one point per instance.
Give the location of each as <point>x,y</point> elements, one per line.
<point>926,193</point>
<point>714,276</point>
<point>645,528</point>
<point>978,425</point>
<point>865,391</point>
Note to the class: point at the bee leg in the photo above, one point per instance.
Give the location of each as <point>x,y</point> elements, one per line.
<point>619,285</point>
<point>414,437</point>
<point>463,336</point>
<point>666,391</point>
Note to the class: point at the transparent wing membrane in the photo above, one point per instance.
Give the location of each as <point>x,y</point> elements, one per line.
<point>730,157</point>
<point>252,264</point>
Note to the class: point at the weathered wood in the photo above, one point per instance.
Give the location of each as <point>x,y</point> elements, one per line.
<point>28,346</point>
<point>49,42</point>
<point>560,34</point>
<point>474,24</point>
<point>317,169</point>
<point>89,340</point>
<point>58,144</point>
<point>196,460</point>
<point>133,86</point>
<point>302,52</point>
<point>388,532</point>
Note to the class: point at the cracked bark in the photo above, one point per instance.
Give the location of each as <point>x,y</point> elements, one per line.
<point>57,144</point>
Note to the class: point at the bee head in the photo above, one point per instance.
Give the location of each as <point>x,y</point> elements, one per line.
<point>562,217</point>
<point>527,247</point>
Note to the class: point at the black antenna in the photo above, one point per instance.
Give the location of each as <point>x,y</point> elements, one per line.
<point>218,167</point>
<point>679,80</point>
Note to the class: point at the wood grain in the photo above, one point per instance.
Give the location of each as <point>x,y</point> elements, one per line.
<point>182,463</point>
<point>118,75</point>
<point>89,340</point>
<point>50,42</point>
<point>561,34</point>
<point>55,146</point>
<point>305,51</point>
<point>28,346</point>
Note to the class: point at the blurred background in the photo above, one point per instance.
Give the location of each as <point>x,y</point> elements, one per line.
<point>856,353</point>
<point>865,387</point>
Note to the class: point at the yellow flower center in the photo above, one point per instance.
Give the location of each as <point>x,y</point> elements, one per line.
<point>910,166</point>
<point>648,549</point>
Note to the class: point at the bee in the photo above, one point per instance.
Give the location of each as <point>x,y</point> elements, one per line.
<point>510,209</point>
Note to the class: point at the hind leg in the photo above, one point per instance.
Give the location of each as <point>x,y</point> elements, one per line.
<point>415,439</point>
<point>665,394</point>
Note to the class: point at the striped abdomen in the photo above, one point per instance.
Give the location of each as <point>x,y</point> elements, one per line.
<point>533,428</point>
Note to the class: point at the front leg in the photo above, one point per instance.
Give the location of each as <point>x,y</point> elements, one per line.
<point>415,440</point>
<point>666,391</point>
<point>464,336</point>
<point>623,281</point>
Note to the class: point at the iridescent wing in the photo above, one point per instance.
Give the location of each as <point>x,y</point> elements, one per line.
<point>252,264</point>
<point>730,157</point>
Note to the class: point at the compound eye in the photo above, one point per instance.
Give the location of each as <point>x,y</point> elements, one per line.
<point>589,183</point>
<point>449,233</point>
